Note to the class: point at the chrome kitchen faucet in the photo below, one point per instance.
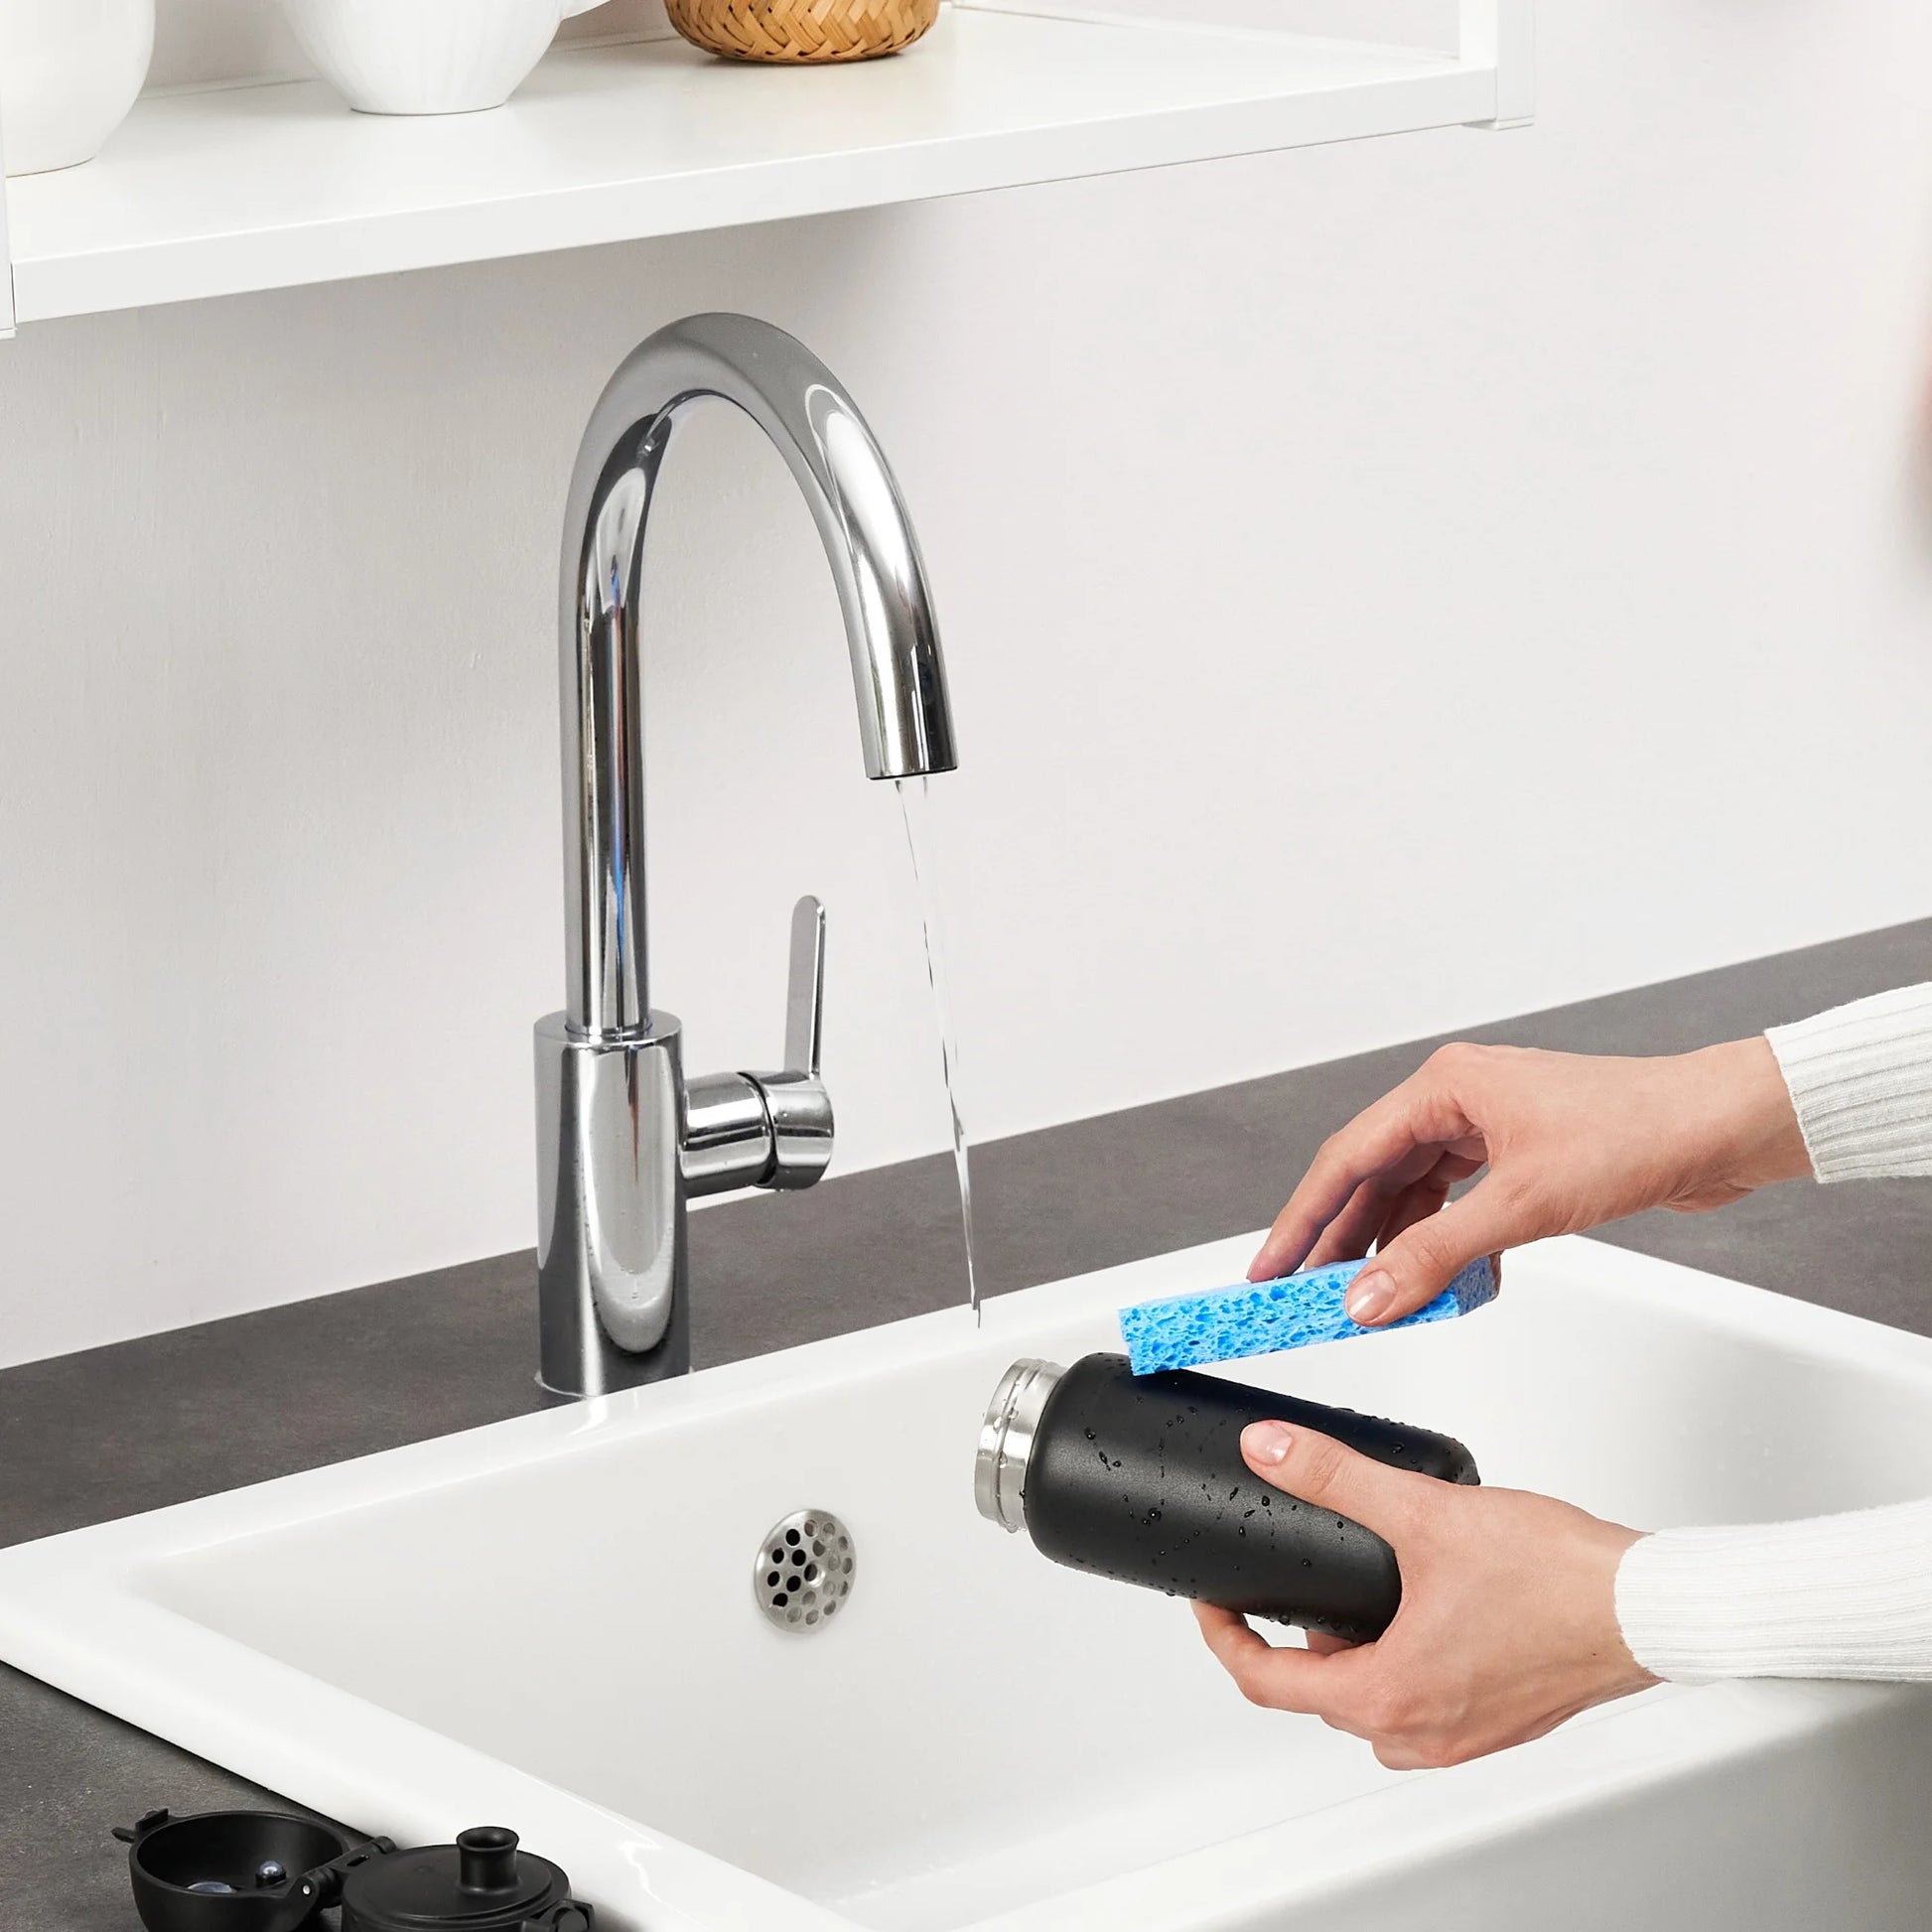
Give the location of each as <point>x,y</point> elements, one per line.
<point>623,1136</point>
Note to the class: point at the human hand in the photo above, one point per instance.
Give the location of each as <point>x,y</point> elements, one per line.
<point>1571,1141</point>
<point>1508,1619</point>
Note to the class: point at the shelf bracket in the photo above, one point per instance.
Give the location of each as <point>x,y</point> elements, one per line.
<point>1501,34</point>
<point>6,255</point>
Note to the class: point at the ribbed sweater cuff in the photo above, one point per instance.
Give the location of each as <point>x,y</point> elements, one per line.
<point>1860,1079</point>
<point>1828,1596</point>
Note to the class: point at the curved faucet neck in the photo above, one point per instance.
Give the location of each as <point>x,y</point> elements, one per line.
<point>898,672</point>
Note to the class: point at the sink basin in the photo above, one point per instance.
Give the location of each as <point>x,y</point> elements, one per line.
<point>551,1623</point>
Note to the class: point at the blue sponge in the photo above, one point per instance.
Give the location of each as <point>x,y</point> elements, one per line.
<point>1222,1324</point>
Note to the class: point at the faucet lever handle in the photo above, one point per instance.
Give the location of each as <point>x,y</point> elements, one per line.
<point>768,1130</point>
<point>805,990</point>
<point>796,1104</point>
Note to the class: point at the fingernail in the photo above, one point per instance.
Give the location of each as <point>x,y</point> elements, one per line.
<point>1266,1441</point>
<point>1370,1296</point>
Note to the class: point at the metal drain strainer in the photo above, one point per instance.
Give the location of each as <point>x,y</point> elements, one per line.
<point>805,1570</point>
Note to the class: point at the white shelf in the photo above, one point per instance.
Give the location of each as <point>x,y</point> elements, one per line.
<point>213,193</point>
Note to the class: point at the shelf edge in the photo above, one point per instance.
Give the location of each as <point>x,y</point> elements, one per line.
<point>55,287</point>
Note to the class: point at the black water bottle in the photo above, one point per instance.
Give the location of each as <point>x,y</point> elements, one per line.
<point>1140,1479</point>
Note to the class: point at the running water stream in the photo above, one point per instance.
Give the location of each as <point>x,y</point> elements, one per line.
<point>915,805</point>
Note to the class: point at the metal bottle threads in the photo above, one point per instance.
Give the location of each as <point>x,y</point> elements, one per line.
<point>1140,1479</point>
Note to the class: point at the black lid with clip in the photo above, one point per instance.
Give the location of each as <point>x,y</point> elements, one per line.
<point>238,1870</point>
<point>480,1884</point>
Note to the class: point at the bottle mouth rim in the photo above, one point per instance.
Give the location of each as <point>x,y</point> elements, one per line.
<point>1006,1436</point>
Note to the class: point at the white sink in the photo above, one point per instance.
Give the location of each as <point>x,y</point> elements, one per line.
<point>549,1623</point>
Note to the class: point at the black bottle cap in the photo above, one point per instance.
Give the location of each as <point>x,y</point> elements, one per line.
<point>484,1882</point>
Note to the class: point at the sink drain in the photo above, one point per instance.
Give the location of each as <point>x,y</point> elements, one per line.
<point>805,1570</point>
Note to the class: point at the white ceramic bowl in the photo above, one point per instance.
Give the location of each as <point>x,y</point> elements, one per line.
<point>425,57</point>
<point>69,71</point>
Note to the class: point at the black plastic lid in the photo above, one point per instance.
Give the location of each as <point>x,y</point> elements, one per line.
<point>482,1882</point>
<point>238,1870</point>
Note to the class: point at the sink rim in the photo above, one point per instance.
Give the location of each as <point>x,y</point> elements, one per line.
<point>74,1612</point>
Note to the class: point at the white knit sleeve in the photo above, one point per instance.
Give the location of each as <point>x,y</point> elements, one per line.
<point>1860,1079</point>
<point>1828,1597</point>
<point>1831,1595</point>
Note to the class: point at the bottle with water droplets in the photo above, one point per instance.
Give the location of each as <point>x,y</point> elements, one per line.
<point>1140,1479</point>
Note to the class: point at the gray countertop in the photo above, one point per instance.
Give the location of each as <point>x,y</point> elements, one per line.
<point>113,1431</point>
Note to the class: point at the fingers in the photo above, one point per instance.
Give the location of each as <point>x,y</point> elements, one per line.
<point>1424,1197</point>
<point>1507,1624</point>
<point>1390,1204</point>
<point>1210,1616</point>
<point>1354,1231</point>
<point>1421,1261</point>
<point>1420,1116</point>
<point>1323,1645</point>
<point>1351,1234</point>
<point>1282,1678</point>
<point>1317,1469</point>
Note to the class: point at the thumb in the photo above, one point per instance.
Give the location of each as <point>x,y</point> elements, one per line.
<point>1420,1262</point>
<point>1320,1470</point>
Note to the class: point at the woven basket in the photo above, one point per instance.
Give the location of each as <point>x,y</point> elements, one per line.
<point>798,31</point>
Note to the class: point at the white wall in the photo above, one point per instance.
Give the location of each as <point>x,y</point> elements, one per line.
<point>1385,587</point>
<point>199,43</point>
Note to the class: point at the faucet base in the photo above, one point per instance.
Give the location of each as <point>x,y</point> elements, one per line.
<point>610,1228</point>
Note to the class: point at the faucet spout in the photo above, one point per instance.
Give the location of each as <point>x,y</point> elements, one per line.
<point>898,676</point>
<point>623,1138</point>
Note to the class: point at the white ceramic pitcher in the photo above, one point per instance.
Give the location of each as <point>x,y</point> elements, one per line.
<point>69,71</point>
<point>426,57</point>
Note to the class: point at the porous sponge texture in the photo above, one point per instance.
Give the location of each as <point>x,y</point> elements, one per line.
<point>1223,1324</point>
